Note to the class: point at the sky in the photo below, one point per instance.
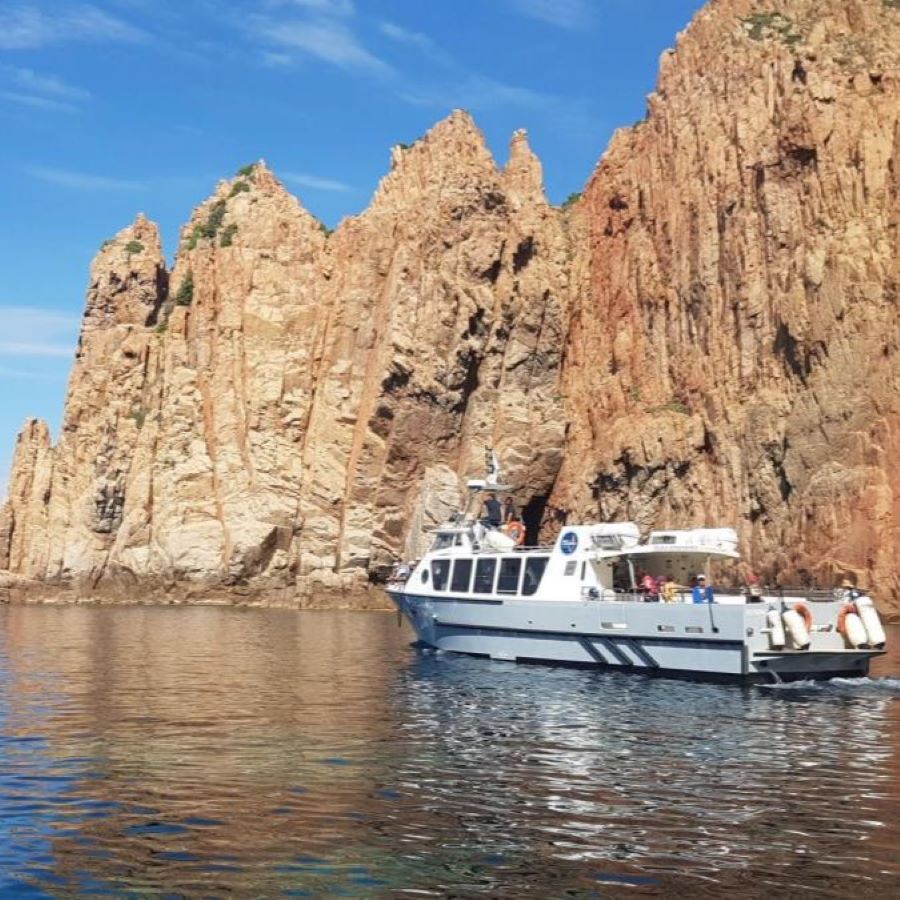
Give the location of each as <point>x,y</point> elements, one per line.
<point>115,107</point>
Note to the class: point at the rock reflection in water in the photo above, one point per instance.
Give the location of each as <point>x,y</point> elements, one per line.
<point>213,750</point>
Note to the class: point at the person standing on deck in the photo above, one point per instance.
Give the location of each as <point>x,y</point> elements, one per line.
<point>703,592</point>
<point>492,511</point>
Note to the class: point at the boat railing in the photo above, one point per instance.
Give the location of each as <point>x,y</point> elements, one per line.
<point>818,595</point>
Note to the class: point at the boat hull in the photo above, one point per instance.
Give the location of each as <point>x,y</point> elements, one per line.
<point>703,641</point>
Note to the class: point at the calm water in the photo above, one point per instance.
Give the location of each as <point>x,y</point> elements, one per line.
<point>208,751</point>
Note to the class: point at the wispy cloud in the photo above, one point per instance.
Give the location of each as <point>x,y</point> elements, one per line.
<point>36,102</point>
<point>325,39</point>
<point>28,26</point>
<point>323,7</point>
<point>314,182</point>
<point>460,86</point>
<point>37,83</point>
<point>479,92</point>
<point>33,332</point>
<point>82,181</point>
<point>569,14</point>
<point>29,88</point>
<point>404,36</point>
<point>28,375</point>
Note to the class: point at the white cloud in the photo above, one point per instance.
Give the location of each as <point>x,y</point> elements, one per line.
<point>570,14</point>
<point>404,36</point>
<point>314,182</point>
<point>82,181</point>
<point>323,7</point>
<point>32,332</point>
<point>28,27</point>
<point>28,375</point>
<point>479,92</point>
<point>30,88</point>
<point>327,40</point>
<point>35,82</point>
<point>37,102</point>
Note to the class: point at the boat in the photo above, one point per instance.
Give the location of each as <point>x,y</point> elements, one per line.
<point>483,591</point>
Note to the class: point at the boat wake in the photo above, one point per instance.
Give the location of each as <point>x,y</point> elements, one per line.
<point>880,686</point>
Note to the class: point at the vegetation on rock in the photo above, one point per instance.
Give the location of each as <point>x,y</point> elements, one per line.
<point>185,295</point>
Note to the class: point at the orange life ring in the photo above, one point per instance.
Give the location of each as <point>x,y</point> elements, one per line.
<point>516,530</point>
<point>845,611</point>
<point>806,612</point>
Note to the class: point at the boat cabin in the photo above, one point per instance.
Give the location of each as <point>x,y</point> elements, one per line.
<point>599,561</point>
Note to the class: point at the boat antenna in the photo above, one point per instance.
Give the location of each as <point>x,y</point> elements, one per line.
<point>492,464</point>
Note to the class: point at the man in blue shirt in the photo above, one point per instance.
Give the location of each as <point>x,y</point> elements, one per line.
<point>702,592</point>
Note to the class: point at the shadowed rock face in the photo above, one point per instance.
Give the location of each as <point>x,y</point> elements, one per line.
<point>278,413</point>
<point>735,313</point>
<point>708,337</point>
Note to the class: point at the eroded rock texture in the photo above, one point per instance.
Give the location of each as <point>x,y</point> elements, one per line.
<point>276,414</point>
<point>733,355</point>
<point>708,337</point>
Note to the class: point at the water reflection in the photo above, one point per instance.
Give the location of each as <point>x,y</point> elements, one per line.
<point>215,750</point>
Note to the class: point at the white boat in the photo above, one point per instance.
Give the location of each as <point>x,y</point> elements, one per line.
<point>578,602</point>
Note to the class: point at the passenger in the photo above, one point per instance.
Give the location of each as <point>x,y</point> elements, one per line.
<point>403,571</point>
<point>754,590</point>
<point>702,593</point>
<point>849,591</point>
<point>509,511</point>
<point>492,511</point>
<point>670,590</point>
<point>648,588</point>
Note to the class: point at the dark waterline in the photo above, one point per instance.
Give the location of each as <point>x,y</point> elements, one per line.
<point>208,751</point>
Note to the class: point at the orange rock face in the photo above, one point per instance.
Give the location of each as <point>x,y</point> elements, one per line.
<point>275,416</point>
<point>733,353</point>
<point>709,336</point>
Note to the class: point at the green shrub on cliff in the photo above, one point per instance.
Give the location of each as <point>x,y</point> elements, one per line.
<point>134,247</point>
<point>185,295</point>
<point>246,171</point>
<point>761,25</point>
<point>228,235</point>
<point>239,187</point>
<point>210,228</point>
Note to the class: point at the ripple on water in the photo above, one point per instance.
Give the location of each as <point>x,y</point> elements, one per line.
<point>261,752</point>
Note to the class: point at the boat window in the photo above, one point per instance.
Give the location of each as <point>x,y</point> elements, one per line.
<point>508,580</point>
<point>424,576</point>
<point>440,569</point>
<point>534,572</point>
<point>663,539</point>
<point>458,541</point>
<point>484,576</point>
<point>442,542</point>
<point>462,575</point>
<point>583,569</point>
<point>570,567</point>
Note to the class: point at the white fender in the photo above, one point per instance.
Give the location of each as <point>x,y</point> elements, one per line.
<point>868,615</point>
<point>776,630</point>
<point>796,629</point>
<point>497,540</point>
<point>854,630</point>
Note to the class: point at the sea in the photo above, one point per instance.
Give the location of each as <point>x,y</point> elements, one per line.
<point>216,751</point>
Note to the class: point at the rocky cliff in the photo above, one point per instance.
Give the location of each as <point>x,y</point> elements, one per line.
<point>708,336</point>
<point>275,413</point>
<point>733,353</point>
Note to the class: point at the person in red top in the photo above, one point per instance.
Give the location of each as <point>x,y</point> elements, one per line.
<point>648,586</point>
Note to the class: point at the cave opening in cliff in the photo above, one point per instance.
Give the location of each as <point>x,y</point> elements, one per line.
<point>532,516</point>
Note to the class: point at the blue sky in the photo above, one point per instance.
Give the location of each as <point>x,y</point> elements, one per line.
<point>120,106</point>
